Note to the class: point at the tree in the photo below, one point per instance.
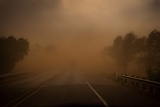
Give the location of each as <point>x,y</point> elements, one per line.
<point>140,46</point>
<point>116,51</point>
<point>129,49</point>
<point>12,50</point>
<point>145,50</point>
<point>124,50</point>
<point>152,56</point>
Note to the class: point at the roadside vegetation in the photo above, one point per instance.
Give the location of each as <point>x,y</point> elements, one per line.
<point>12,50</point>
<point>145,51</point>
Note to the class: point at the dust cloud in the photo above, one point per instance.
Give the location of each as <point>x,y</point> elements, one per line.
<point>63,32</point>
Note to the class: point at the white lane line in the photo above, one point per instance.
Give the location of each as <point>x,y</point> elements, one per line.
<point>30,95</point>
<point>103,101</point>
<point>23,95</point>
<point>17,98</point>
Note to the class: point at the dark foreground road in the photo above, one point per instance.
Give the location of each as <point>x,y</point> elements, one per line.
<point>67,89</point>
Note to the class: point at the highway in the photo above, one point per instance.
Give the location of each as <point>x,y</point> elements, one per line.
<point>70,88</point>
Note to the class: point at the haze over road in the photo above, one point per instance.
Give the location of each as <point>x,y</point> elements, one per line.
<point>70,88</point>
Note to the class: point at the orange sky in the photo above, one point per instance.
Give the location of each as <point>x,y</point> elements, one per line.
<point>77,28</point>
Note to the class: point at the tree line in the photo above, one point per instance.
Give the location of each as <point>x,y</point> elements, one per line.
<point>145,50</point>
<point>12,50</point>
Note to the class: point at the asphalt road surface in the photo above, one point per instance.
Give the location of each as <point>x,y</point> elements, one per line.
<point>70,88</point>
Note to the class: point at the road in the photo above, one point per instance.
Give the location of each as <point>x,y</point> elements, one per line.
<point>70,88</point>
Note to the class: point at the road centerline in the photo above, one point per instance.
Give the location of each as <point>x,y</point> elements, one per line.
<point>103,101</point>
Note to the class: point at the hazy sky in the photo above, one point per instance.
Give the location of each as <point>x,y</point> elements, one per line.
<point>68,18</point>
<point>77,27</point>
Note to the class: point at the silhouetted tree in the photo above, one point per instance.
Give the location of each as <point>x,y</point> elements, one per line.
<point>152,56</point>
<point>12,50</point>
<point>129,49</point>
<point>116,51</point>
<point>140,46</point>
<point>146,50</point>
<point>124,50</point>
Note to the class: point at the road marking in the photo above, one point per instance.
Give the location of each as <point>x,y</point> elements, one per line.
<point>103,101</point>
<point>21,101</point>
<point>30,92</point>
<point>30,95</point>
<point>17,98</point>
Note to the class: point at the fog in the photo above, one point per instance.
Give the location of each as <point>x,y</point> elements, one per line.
<point>62,32</point>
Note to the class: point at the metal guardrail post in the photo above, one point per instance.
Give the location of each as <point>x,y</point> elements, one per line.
<point>141,83</point>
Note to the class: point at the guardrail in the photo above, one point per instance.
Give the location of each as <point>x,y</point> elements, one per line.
<point>10,75</point>
<point>144,84</point>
